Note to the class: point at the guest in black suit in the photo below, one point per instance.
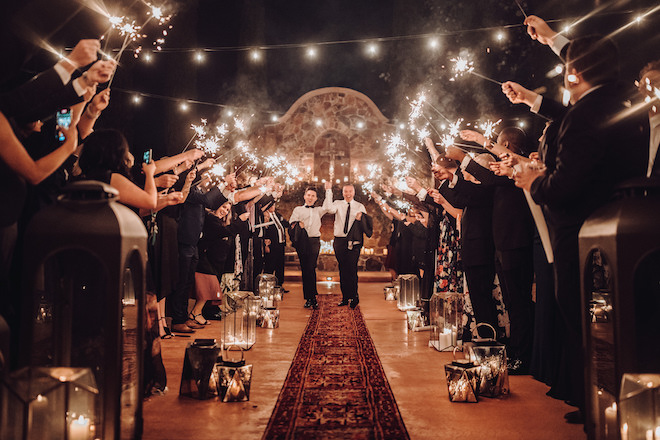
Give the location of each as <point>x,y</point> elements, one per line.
<point>274,242</point>
<point>513,233</point>
<point>348,240</point>
<point>589,141</point>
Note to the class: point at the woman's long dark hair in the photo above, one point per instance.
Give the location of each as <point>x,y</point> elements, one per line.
<point>105,150</point>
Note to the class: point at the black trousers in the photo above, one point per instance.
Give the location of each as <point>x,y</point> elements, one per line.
<point>178,300</point>
<point>515,269</point>
<point>274,262</point>
<point>480,286</point>
<point>308,257</point>
<point>348,261</point>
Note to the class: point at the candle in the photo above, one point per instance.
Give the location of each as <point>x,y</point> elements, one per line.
<point>649,434</point>
<point>79,429</point>
<point>445,339</point>
<point>611,424</point>
<point>39,428</point>
<point>624,432</point>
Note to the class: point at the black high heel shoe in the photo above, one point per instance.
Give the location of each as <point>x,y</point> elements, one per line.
<point>166,330</point>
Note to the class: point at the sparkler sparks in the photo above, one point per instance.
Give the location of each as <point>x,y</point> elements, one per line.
<point>461,67</point>
<point>488,128</point>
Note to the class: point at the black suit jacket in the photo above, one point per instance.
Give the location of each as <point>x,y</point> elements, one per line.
<point>193,212</point>
<point>513,225</point>
<point>364,226</point>
<point>596,150</point>
<point>38,98</point>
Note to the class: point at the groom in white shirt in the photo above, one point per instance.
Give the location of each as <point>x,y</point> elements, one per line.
<point>347,252</point>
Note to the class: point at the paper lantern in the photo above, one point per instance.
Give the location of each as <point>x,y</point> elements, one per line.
<point>446,320</point>
<point>50,404</point>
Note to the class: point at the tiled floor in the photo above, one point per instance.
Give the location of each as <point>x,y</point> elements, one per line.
<point>415,373</point>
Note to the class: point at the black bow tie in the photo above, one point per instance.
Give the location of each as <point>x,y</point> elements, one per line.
<point>307,206</point>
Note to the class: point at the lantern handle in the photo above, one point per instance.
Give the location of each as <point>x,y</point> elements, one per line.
<point>476,333</point>
<point>228,349</point>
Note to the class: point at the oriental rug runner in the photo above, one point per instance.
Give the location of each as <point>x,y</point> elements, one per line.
<point>336,387</point>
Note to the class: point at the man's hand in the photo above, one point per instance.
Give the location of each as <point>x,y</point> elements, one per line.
<point>517,94</point>
<point>499,169</point>
<point>437,197</point>
<point>230,180</point>
<point>243,217</point>
<point>473,136</point>
<point>206,164</point>
<point>454,153</point>
<point>302,225</point>
<point>84,53</point>
<point>413,184</point>
<point>99,102</point>
<point>539,30</point>
<point>165,180</point>
<point>526,176</point>
<point>173,198</point>
<point>328,185</point>
<point>100,72</point>
<point>194,154</point>
<point>191,176</point>
<point>358,216</point>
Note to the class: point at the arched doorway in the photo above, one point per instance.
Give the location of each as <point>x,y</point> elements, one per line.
<point>332,157</point>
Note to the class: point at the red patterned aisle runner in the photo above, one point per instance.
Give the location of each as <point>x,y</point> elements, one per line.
<point>336,387</point>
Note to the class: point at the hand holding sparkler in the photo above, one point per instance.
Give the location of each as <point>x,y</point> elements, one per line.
<point>539,30</point>
<point>413,184</point>
<point>500,169</point>
<point>517,94</point>
<point>430,146</point>
<point>99,73</point>
<point>165,180</point>
<point>474,136</point>
<point>83,54</point>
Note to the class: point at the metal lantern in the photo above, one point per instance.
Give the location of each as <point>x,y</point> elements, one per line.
<point>390,293</point>
<point>278,293</point>
<point>463,378</point>
<point>270,318</point>
<point>619,260</point>
<point>409,292</point>
<point>239,320</point>
<point>490,355</point>
<point>639,407</point>
<point>197,379</point>
<point>84,298</point>
<point>49,404</point>
<point>446,320</point>
<point>416,320</point>
<point>266,284</point>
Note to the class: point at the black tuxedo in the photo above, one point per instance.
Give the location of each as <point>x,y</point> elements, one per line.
<point>513,234</point>
<point>594,153</point>
<point>274,257</point>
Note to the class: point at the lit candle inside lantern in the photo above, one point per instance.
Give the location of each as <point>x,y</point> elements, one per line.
<point>79,429</point>
<point>445,339</point>
<point>40,420</point>
<point>624,432</point>
<point>611,424</point>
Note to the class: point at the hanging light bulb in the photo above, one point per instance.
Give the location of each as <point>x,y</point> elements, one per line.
<point>136,99</point>
<point>184,107</point>
<point>199,56</point>
<point>311,52</point>
<point>434,43</point>
<point>255,55</point>
<point>372,49</point>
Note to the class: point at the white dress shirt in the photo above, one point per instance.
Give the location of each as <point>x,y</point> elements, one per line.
<point>310,217</point>
<point>339,208</point>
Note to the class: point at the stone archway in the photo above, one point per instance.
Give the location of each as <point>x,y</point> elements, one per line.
<point>332,157</point>
<point>344,115</point>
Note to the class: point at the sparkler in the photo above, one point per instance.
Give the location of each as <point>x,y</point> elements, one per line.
<point>463,66</point>
<point>521,9</point>
<point>488,128</point>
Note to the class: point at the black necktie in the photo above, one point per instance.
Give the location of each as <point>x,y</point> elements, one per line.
<point>348,215</point>
<point>306,206</point>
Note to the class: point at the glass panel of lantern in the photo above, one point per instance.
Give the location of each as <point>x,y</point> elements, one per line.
<point>490,355</point>
<point>50,404</point>
<point>409,292</point>
<point>390,293</point>
<point>239,320</point>
<point>278,293</point>
<point>270,318</point>
<point>463,378</point>
<point>639,406</point>
<point>266,283</point>
<point>416,321</point>
<point>446,320</point>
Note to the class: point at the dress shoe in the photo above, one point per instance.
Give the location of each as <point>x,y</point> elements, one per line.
<point>355,302</point>
<point>343,302</point>
<point>517,367</point>
<point>284,290</point>
<point>181,328</point>
<point>308,304</point>
<point>194,324</point>
<point>315,305</point>
<point>574,417</point>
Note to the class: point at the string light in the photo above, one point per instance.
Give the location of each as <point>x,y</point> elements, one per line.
<point>274,118</point>
<point>255,55</point>
<point>434,43</point>
<point>319,122</point>
<point>229,112</point>
<point>199,56</point>
<point>372,49</point>
<point>499,36</point>
<point>136,99</point>
<point>311,52</point>
<point>147,57</point>
<point>521,124</point>
<point>184,107</point>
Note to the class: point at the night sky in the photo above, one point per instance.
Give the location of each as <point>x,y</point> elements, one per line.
<point>401,68</point>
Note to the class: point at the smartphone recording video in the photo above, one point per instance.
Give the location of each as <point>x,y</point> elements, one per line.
<point>63,119</point>
<point>146,157</point>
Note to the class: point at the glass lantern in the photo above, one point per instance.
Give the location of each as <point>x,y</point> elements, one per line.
<point>463,378</point>
<point>446,320</point>
<point>240,320</point>
<point>639,407</point>
<point>409,292</point>
<point>270,318</point>
<point>416,320</point>
<point>266,284</point>
<point>490,355</point>
<point>390,293</point>
<point>50,404</point>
